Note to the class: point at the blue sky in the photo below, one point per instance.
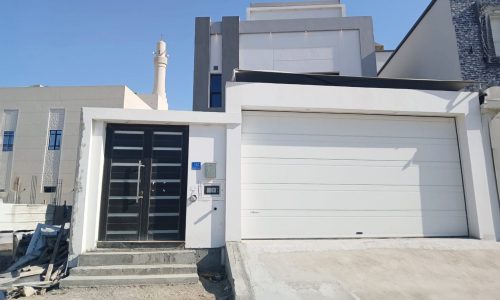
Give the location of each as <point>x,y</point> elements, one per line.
<point>96,42</point>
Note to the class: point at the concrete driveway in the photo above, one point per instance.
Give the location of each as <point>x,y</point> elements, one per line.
<point>372,269</point>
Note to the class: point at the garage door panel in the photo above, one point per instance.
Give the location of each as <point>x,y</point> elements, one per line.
<point>327,213</point>
<point>341,140</point>
<point>429,198</point>
<point>347,125</point>
<point>429,225</point>
<point>402,164</point>
<point>331,175</point>
<point>345,175</point>
<point>394,151</point>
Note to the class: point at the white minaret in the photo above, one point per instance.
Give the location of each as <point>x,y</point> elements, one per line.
<point>160,63</point>
<point>158,98</point>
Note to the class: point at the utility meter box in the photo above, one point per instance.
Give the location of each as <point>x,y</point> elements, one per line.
<point>210,170</point>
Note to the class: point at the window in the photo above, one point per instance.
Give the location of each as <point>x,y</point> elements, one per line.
<point>495,33</point>
<point>215,90</point>
<point>49,189</point>
<point>8,141</point>
<point>489,24</point>
<point>55,137</point>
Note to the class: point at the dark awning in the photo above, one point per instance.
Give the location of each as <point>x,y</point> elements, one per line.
<point>350,81</point>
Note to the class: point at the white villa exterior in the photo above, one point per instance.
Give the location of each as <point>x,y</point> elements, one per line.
<point>316,161</point>
<point>301,150</point>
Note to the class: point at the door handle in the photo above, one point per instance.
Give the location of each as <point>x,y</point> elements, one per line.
<point>140,196</point>
<point>139,192</point>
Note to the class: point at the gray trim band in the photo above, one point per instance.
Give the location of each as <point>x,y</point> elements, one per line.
<point>286,4</point>
<point>201,73</point>
<point>230,53</point>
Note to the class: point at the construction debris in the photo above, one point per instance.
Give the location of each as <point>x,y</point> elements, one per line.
<point>28,291</point>
<point>213,276</point>
<point>41,260</point>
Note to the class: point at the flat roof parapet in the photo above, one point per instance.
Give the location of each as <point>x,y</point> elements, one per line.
<point>285,4</point>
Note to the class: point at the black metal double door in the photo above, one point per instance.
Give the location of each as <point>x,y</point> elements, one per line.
<point>144,186</point>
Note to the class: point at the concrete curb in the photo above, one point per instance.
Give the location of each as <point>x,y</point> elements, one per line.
<point>236,272</point>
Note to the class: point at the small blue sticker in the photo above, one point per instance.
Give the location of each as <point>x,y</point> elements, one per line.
<point>196,165</point>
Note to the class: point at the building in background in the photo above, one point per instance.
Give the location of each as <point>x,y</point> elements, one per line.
<point>40,133</point>
<point>458,40</point>
<point>297,37</point>
<point>381,55</point>
<point>452,40</point>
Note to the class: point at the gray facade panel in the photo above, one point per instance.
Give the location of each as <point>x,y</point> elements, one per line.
<point>230,52</point>
<point>216,27</point>
<point>363,24</point>
<point>313,24</point>
<point>201,64</point>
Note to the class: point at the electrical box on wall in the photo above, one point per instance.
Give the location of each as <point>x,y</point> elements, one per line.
<point>207,187</point>
<point>211,190</point>
<point>210,170</point>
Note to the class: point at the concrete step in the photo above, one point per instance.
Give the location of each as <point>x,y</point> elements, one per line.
<point>99,250</point>
<point>108,258</point>
<point>120,270</point>
<point>125,245</point>
<point>94,281</point>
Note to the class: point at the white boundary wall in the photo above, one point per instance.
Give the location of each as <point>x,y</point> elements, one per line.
<point>481,199</point>
<point>482,203</point>
<point>207,143</point>
<point>14,217</point>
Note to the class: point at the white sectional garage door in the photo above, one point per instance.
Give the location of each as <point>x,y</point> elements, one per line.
<point>311,175</point>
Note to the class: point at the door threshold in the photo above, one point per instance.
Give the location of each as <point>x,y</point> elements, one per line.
<point>140,244</point>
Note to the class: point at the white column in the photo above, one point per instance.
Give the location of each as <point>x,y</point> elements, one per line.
<point>233,182</point>
<point>482,199</point>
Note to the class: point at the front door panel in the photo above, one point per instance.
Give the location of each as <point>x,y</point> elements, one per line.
<point>144,183</point>
<point>166,186</point>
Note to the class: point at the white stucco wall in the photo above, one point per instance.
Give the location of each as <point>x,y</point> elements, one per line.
<point>207,143</point>
<point>302,52</point>
<point>15,217</point>
<point>430,52</point>
<point>146,101</point>
<point>205,218</point>
<point>491,126</point>
<point>31,136</point>
<point>482,206</point>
